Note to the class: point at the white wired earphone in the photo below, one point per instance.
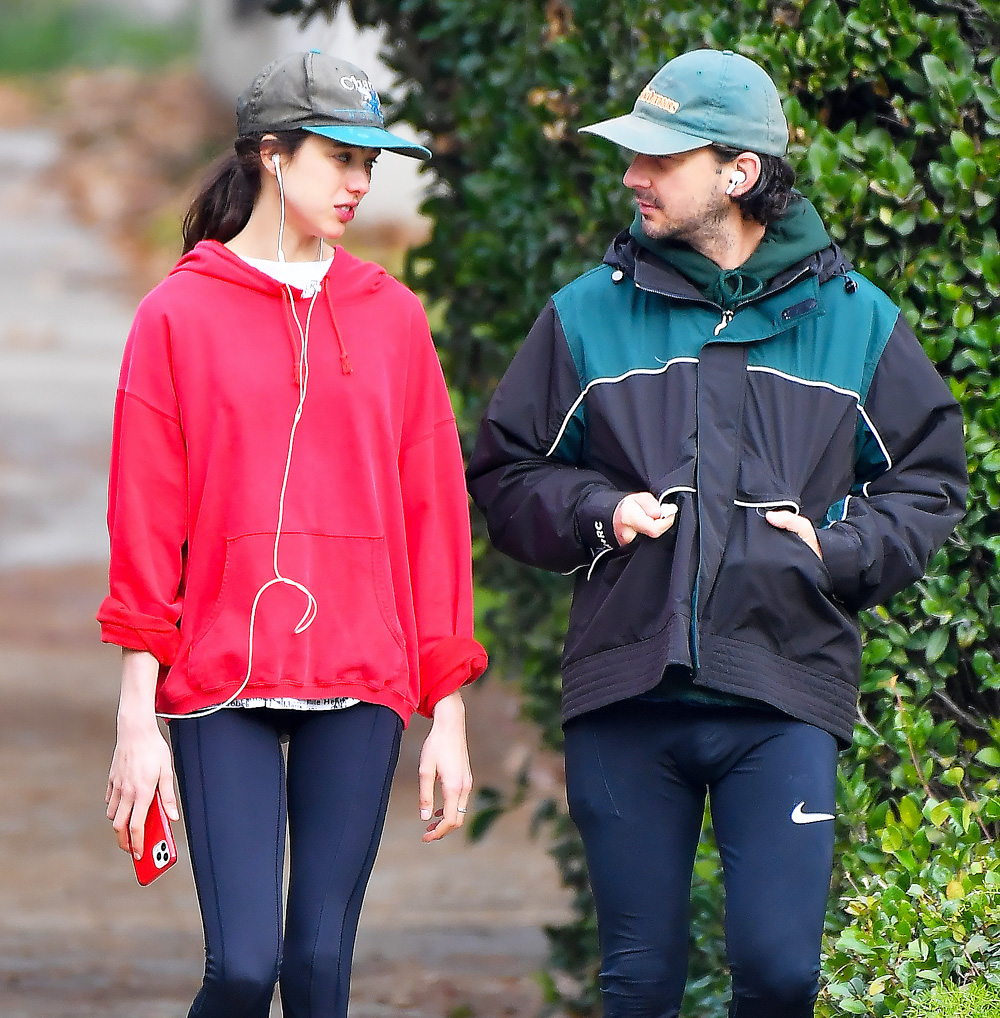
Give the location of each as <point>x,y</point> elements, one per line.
<point>310,613</point>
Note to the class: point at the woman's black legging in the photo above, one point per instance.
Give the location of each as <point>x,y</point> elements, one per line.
<point>236,789</point>
<point>637,775</point>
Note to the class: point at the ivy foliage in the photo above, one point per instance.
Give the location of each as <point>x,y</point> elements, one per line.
<point>894,110</point>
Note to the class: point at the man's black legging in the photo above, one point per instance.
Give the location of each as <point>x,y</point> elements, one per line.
<point>236,791</point>
<point>637,774</point>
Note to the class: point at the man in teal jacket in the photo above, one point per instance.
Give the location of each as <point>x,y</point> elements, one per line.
<point>736,443</point>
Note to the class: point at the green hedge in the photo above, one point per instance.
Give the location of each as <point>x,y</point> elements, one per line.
<point>894,107</point>
<point>40,36</point>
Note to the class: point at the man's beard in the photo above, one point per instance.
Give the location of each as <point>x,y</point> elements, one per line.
<point>693,230</point>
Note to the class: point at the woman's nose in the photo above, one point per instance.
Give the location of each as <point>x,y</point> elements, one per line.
<point>359,182</point>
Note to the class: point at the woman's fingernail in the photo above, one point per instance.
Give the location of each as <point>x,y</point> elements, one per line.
<point>425,814</point>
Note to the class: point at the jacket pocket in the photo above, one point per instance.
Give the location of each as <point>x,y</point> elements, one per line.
<point>354,633</point>
<point>774,591</point>
<point>634,592</point>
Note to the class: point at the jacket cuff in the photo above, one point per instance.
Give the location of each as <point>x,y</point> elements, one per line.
<point>448,665</point>
<point>595,519</point>
<point>841,548</point>
<point>139,632</point>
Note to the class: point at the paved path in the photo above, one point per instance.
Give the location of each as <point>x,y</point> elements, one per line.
<point>62,325</point>
<point>445,927</point>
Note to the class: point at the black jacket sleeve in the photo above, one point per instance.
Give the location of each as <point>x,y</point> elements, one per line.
<point>540,506</point>
<point>902,514</point>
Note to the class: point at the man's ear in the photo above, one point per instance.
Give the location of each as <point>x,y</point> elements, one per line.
<point>746,166</point>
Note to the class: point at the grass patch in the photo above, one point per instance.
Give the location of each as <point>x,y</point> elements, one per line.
<point>40,36</point>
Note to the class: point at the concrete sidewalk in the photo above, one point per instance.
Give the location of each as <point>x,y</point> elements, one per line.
<point>447,929</point>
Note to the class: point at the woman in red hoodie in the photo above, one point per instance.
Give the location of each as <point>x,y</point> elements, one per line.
<point>290,550</point>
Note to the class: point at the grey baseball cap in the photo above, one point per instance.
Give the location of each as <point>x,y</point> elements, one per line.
<point>705,97</point>
<point>322,94</point>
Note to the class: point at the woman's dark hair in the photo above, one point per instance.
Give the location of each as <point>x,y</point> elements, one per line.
<point>231,186</point>
<point>771,195</point>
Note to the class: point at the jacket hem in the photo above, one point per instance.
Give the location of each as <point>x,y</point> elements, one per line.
<point>622,672</point>
<point>817,698</point>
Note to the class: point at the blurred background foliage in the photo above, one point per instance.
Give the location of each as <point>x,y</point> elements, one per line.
<point>894,109</point>
<point>39,36</point>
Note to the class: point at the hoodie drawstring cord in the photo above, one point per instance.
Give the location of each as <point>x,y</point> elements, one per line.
<point>289,310</point>
<point>345,361</point>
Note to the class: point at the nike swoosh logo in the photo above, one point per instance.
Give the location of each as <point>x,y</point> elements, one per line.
<point>799,815</point>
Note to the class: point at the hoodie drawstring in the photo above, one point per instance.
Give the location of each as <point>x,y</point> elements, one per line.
<point>287,307</point>
<point>345,361</point>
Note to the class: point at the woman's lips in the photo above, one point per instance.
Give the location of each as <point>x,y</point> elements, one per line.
<point>345,212</point>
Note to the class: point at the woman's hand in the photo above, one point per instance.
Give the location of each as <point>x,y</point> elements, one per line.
<point>795,524</point>
<point>142,761</point>
<point>445,758</point>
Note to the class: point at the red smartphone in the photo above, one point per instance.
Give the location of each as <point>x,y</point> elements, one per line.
<point>158,850</point>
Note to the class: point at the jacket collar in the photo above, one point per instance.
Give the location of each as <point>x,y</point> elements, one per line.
<point>649,272</point>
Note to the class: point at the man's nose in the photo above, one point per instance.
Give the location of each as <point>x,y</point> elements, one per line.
<point>636,175</point>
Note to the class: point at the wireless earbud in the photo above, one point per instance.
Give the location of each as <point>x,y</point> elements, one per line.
<point>735,180</point>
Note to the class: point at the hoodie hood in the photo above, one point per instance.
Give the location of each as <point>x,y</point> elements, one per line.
<point>349,278</point>
<point>796,238</point>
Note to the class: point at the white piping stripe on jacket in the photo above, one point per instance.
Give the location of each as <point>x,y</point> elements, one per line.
<point>676,488</point>
<point>607,381</point>
<point>877,437</point>
<point>781,503</point>
<point>833,388</point>
<point>804,381</point>
<point>589,566</point>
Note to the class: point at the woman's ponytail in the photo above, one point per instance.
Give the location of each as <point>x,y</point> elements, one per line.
<point>227,197</point>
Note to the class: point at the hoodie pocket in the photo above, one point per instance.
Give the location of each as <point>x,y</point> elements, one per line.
<point>354,634</point>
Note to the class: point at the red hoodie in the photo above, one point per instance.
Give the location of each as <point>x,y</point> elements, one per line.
<point>375,515</point>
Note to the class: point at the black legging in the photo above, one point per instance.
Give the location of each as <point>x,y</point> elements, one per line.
<point>234,787</point>
<point>637,774</point>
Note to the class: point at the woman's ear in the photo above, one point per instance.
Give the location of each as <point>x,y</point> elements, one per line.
<point>269,152</point>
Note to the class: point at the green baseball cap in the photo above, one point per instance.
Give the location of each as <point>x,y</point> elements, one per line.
<point>321,94</point>
<point>705,97</point>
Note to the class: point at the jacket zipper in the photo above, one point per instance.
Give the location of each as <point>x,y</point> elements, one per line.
<point>727,317</point>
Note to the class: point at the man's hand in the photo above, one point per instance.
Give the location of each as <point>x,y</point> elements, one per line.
<point>798,525</point>
<point>641,513</point>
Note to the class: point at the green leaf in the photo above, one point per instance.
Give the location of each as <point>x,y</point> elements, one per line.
<point>850,941</point>
<point>909,813</point>
<point>936,644</point>
<point>936,71</point>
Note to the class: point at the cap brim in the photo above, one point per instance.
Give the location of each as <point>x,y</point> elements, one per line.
<point>639,135</point>
<point>372,137</point>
